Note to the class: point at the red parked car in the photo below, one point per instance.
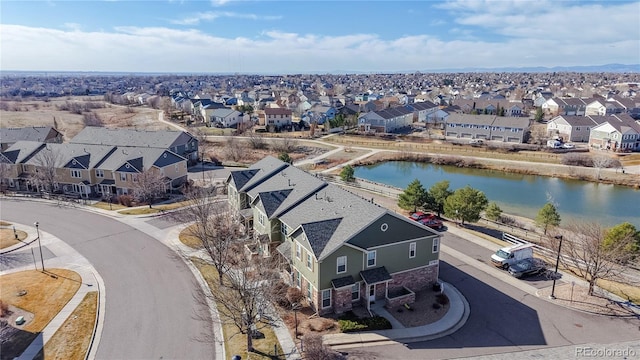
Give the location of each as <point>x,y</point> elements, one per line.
<point>419,215</point>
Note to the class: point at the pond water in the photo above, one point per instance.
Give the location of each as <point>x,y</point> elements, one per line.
<point>519,194</point>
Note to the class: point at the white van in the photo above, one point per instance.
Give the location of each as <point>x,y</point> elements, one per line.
<point>509,255</point>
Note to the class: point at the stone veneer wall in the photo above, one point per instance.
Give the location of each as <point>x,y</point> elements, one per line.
<point>341,299</point>
<point>404,299</point>
<point>415,280</point>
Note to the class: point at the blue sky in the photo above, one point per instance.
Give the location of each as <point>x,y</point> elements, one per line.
<point>314,36</point>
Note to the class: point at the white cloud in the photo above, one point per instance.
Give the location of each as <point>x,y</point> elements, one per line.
<point>212,15</point>
<point>72,26</point>
<point>561,20</point>
<point>160,49</point>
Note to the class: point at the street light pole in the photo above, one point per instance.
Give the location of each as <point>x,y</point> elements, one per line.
<point>39,243</point>
<point>555,275</point>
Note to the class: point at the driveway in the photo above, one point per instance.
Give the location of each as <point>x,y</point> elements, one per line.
<point>150,309</point>
<point>503,318</point>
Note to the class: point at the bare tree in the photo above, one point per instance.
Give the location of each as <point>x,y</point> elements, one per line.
<point>46,163</point>
<point>599,162</point>
<point>257,141</point>
<point>214,224</point>
<point>314,349</point>
<point>233,149</point>
<point>149,185</point>
<point>244,298</point>
<point>5,173</point>
<point>285,144</point>
<point>585,254</point>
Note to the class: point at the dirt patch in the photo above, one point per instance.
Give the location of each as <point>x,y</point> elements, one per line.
<point>428,308</point>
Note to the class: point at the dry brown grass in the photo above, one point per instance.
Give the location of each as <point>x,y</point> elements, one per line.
<point>45,293</point>
<point>190,240</point>
<point>235,343</point>
<point>42,113</point>
<point>71,341</point>
<point>7,237</point>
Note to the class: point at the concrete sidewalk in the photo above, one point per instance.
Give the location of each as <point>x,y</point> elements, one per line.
<point>65,258</point>
<point>453,320</point>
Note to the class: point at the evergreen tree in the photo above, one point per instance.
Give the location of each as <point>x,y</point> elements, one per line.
<point>285,157</point>
<point>465,204</point>
<point>539,114</point>
<point>414,196</point>
<point>347,173</point>
<point>548,215</point>
<point>493,212</point>
<point>437,194</point>
<point>624,234</point>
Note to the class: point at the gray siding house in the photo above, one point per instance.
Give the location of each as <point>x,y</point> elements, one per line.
<point>339,249</point>
<point>487,127</point>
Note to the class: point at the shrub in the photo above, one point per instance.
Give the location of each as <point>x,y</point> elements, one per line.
<point>364,324</point>
<point>442,299</point>
<point>279,295</point>
<point>321,324</point>
<point>4,308</point>
<point>294,295</point>
<point>314,349</point>
<point>125,200</point>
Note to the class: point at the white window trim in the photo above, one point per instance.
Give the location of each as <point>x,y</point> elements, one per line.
<point>436,245</point>
<point>338,265</point>
<point>99,173</point>
<point>355,285</point>
<point>412,250</point>
<point>75,172</point>
<point>309,261</point>
<point>375,258</point>
<point>298,251</point>
<point>322,299</point>
<point>123,176</point>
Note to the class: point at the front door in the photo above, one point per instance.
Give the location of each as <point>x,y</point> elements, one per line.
<point>372,293</point>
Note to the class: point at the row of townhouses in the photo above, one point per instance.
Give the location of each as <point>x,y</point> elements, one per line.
<point>99,162</point>
<point>340,250</point>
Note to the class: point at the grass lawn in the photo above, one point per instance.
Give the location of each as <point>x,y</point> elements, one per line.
<point>46,293</point>
<point>144,210</point>
<point>632,293</point>
<point>7,237</point>
<point>234,343</point>
<point>105,206</point>
<point>190,240</point>
<point>72,339</point>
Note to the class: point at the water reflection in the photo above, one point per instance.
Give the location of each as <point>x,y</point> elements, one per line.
<point>519,194</point>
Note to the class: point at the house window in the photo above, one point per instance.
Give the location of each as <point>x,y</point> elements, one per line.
<point>261,218</point>
<point>284,229</point>
<point>309,292</point>
<point>342,265</point>
<point>298,281</point>
<point>371,258</point>
<point>309,262</point>
<point>99,173</point>
<point>76,173</point>
<point>298,251</point>
<point>436,245</point>
<point>577,128</point>
<point>123,176</point>
<point>412,250</point>
<point>355,292</point>
<point>326,298</point>
<point>134,177</point>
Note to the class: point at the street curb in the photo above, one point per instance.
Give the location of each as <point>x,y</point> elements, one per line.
<point>458,302</point>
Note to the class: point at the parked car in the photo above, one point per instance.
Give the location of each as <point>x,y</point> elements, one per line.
<point>476,142</point>
<point>419,215</point>
<point>568,146</point>
<point>432,222</point>
<point>527,267</point>
<point>510,255</point>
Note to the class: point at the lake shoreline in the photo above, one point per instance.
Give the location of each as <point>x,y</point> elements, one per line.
<point>607,176</point>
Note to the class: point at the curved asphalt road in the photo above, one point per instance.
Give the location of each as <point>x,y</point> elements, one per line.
<point>150,308</point>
